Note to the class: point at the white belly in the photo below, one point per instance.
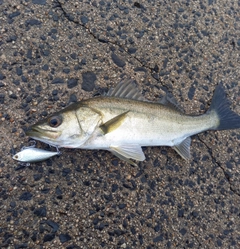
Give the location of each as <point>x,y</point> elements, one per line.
<point>141,132</point>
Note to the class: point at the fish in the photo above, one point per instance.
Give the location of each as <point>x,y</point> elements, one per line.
<point>31,154</point>
<point>122,121</point>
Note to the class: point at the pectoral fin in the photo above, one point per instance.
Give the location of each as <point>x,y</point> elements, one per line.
<point>125,152</point>
<point>113,123</point>
<point>183,149</point>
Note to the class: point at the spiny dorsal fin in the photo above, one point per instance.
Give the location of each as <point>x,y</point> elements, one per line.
<point>127,151</point>
<point>126,89</point>
<point>171,102</point>
<point>113,123</point>
<point>183,149</point>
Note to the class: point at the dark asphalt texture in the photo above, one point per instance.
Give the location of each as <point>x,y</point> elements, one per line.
<point>53,53</point>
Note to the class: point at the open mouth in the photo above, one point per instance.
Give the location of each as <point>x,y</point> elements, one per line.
<point>38,132</point>
<point>32,132</point>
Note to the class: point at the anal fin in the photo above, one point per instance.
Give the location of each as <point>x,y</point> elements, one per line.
<point>127,151</point>
<point>183,149</point>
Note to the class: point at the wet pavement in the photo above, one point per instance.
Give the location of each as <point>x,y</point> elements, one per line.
<point>53,53</point>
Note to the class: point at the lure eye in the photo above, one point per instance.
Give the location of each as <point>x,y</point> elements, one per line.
<point>55,121</point>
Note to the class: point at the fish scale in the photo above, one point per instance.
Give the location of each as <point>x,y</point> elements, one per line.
<point>149,123</point>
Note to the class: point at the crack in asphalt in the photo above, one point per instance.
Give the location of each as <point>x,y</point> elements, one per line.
<point>58,4</point>
<point>220,166</point>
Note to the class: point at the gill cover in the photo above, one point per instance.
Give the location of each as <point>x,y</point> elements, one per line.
<point>69,128</point>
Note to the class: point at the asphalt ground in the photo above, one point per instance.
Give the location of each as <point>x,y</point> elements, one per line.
<point>53,53</point>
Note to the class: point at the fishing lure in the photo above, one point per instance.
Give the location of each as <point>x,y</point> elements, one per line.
<point>31,154</point>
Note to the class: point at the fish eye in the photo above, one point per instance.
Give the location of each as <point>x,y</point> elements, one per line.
<point>55,121</point>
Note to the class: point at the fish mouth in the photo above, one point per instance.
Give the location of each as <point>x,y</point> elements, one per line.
<point>36,132</point>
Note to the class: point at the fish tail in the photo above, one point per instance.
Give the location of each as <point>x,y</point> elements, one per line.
<point>227,119</point>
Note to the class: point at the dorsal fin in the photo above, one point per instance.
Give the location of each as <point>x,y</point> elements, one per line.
<point>126,89</point>
<point>171,102</point>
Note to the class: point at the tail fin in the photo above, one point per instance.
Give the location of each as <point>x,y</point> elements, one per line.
<point>221,106</point>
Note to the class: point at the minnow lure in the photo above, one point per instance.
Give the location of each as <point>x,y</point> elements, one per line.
<point>31,154</point>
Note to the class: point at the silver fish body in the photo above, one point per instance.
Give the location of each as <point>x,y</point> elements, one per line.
<point>31,154</point>
<point>123,121</point>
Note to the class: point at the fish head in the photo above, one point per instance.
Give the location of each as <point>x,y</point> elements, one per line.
<point>18,156</point>
<point>69,128</point>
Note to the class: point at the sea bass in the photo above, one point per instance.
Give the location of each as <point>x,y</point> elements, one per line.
<point>123,121</point>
